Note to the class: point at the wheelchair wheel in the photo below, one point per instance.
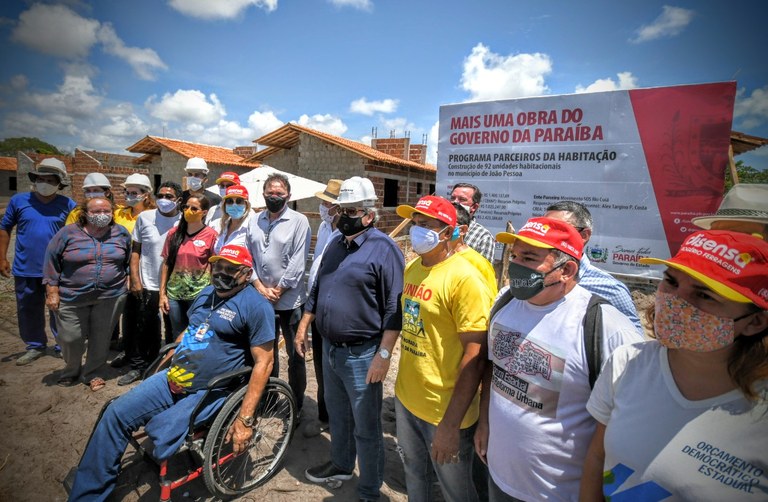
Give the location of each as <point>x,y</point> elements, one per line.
<point>227,475</point>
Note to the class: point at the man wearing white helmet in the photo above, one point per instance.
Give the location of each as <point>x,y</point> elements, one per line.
<point>37,216</point>
<point>197,175</point>
<point>354,303</point>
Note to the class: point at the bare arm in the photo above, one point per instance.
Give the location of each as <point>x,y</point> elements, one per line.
<point>165,307</point>
<point>262,367</point>
<point>5,266</point>
<point>301,342</point>
<point>52,297</point>
<point>134,269</point>
<point>592,477</point>
<point>445,443</point>
<point>379,368</point>
<point>482,431</point>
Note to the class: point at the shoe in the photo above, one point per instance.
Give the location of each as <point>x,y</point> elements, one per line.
<point>314,429</point>
<point>119,361</point>
<point>66,381</point>
<point>129,377</point>
<point>96,384</point>
<point>326,472</point>
<point>30,356</point>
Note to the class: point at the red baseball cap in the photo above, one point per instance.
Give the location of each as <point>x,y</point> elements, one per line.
<point>233,254</point>
<point>236,191</point>
<point>228,176</point>
<point>732,264</point>
<point>547,233</point>
<point>432,206</point>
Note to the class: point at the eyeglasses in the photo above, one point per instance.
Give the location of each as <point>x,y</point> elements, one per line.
<point>193,209</point>
<point>132,193</point>
<point>168,196</point>
<point>350,211</point>
<point>235,201</point>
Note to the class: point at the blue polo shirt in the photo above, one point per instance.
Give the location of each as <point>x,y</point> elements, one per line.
<point>356,295</point>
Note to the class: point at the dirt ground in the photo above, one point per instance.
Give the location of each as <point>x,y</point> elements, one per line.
<point>44,428</point>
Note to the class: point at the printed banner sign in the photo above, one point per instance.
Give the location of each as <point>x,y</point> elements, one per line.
<point>644,161</point>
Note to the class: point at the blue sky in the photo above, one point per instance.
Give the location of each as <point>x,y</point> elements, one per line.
<point>103,74</point>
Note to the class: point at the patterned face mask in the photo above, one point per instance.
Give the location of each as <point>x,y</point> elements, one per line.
<point>680,325</point>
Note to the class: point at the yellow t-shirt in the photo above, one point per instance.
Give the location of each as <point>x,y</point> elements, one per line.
<point>483,266</point>
<point>123,216</point>
<point>438,302</point>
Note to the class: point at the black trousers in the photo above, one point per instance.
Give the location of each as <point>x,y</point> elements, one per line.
<point>141,329</point>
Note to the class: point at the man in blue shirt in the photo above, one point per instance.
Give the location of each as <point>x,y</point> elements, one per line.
<point>355,303</point>
<point>37,216</point>
<point>230,325</point>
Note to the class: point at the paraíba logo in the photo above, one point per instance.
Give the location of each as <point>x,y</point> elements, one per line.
<point>597,254</point>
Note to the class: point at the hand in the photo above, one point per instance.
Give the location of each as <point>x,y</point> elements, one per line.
<point>52,302</point>
<point>136,289</point>
<point>5,268</point>
<point>301,342</point>
<point>377,372</point>
<point>481,441</point>
<point>165,306</point>
<point>240,435</point>
<point>266,293</point>
<point>445,445</point>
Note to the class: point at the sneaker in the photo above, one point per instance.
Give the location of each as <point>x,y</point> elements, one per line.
<point>314,429</point>
<point>30,356</point>
<point>326,472</point>
<point>129,377</point>
<point>119,361</point>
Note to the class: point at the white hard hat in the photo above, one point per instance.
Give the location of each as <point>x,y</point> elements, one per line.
<point>140,180</point>
<point>196,164</point>
<point>48,167</point>
<point>96,180</point>
<point>356,192</point>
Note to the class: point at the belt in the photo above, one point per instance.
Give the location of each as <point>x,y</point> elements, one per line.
<point>353,343</point>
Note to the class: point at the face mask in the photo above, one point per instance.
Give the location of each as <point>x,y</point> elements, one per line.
<point>45,189</point>
<point>467,208</point>
<point>423,240</point>
<point>191,217</point>
<point>133,200</point>
<point>166,206</point>
<point>525,283</point>
<point>235,211</point>
<point>324,214</point>
<point>350,225</point>
<point>222,191</point>
<point>93,195</point>
<point>456,234</point>
<point>679,325</point>
<point>194,184</point>
<point>223,282</point>
<point>274,203</point>
<point>99,220</point>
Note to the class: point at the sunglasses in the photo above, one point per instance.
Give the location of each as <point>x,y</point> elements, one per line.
<point>350,211</point>
<point>235,201</point>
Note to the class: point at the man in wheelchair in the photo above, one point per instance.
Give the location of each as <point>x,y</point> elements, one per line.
<point>231,325</point>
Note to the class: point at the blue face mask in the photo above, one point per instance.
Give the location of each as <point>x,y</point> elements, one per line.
<point>235,211</point>
<point>456,234</point>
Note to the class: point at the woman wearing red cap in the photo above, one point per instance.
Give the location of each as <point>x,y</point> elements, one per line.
<point>233,225</point>
<point>685,417</point>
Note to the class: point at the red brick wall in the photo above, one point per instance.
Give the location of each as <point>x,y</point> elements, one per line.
<point>84,164</point>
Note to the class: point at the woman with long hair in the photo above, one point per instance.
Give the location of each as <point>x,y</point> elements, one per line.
<point>86,272</point>
<point>185,270</point>
<point>685,416</point>
<point>236,213</point>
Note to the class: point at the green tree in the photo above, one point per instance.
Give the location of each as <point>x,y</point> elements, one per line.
<point>9,147</point>
<point>747,174</point>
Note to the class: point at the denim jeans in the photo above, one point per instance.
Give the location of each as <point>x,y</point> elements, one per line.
<point>150,404</point>
<point>30,310</point>
<point>178,314</point>
<point>297,367</point>
<point>414,436</point>
<point>354,413</point>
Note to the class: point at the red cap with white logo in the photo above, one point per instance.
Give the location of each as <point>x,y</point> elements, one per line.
<point>547,233</point>
<point>432,206</point>
<point>233,254</point>
<point>237,191</point>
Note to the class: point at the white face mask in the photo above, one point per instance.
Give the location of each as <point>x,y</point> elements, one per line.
<point>468,208</point>
<point>222,191</point>
<point>423,240</point>
<point>194,184</point>
<point>324,214</point>
<point>45,189</point>
<point>166,206</point>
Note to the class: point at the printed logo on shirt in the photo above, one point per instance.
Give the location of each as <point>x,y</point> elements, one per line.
<point>725,468</point>
<point>226,314</point>
<point>199,243</point>
<point>412,325</point>
<point>526,373</point>
<point>648,491</point>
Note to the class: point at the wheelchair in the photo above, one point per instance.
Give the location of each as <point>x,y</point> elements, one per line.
<point>225,474</point>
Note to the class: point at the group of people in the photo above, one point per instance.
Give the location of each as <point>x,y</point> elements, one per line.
<point>546,389</point>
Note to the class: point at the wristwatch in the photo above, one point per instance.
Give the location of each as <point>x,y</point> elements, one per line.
<point>247,421</point>
<point>384,353</point>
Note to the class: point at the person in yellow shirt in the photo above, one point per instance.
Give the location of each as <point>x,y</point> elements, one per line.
<point>459,246</point>
<point>445,306</point>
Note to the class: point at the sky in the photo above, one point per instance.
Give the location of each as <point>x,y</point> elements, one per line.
<point>101,75</point>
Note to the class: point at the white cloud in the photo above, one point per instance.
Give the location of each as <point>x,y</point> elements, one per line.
<point>625,81</point>
<point>490,76</point>
<point>120,131</point>
<point>75,97</point>
<point>19,82</point>
<point>219,9</point>
<point>190,106</point>
<point>670,22</point>
<point>399,125</point>
<point>325,123</point>
<point>434,134</point>
<point>366,107</point>
<point>366,5</point>
<point>143,61</point>
<point>263,123</point>
<point>751,110</point>
<point>56,30</point>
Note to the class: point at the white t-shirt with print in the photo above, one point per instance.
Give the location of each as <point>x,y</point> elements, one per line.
<point>150,231</point>
<point>539,425</point>
<point>661,446</point>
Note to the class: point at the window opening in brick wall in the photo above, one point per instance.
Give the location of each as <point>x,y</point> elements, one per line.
<point>390,192</point>
<point>418,188</point>
<point>12,183</point>
<point>431,188</point>
<point>158,181</point>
